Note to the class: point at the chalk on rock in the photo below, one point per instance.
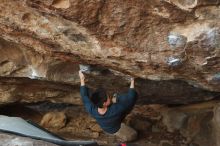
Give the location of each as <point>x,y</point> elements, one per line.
<point>174,62</point>
<point>176,40</point>
<point>85,68</point>
<point>216,78</point>
<point>128,78</point>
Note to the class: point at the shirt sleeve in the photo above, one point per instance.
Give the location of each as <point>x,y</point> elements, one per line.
<point>128,99</point>
<point>90,107</point>
<point>124,103</point>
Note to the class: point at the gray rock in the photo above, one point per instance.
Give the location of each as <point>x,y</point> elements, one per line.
<point>174,61</point>
<point>173,119</point>
<point>176,40</point>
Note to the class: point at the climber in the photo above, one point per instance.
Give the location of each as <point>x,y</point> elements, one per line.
<point>109,115</point>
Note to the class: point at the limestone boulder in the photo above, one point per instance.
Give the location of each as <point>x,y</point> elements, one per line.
<point>197,123</point>
<point>55,120</point>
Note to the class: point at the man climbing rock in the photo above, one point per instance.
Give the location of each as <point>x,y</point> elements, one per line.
<point>109,115</point>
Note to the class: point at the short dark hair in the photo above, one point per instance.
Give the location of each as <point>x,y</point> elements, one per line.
<point>99,97</point>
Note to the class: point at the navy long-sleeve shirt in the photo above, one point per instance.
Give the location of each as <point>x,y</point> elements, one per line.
<point>110,122</point>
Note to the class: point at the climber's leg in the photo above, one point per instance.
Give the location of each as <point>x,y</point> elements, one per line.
<point>126,133</point>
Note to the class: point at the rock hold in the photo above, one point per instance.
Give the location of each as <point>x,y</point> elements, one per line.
<point>174,62</point>
<point>176,40</point>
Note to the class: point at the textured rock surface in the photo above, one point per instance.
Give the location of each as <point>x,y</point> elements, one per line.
<point>171,46</point>
<point>216,127</point>
<point>198,123</point>
<point>54,120</point>
<point>157,40</point>
<point>50,78</point>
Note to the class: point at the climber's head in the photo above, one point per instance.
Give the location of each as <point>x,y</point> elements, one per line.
<point>100,98</point>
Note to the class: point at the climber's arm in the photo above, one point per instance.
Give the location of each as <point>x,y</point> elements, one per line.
<point>82,78</point>
<point>85,95</point>
<point>132,94</point>
<point>130,97</point>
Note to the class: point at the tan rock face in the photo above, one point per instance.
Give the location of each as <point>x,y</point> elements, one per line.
<point>142,38</point>
<point>46,40</point>
<point>61,4</point>
<point>50,78</point>
<point>55,120</point>
<point>171,46</point>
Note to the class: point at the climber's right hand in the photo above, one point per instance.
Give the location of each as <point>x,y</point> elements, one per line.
<point>132,82</point>
<point>81,75</point>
